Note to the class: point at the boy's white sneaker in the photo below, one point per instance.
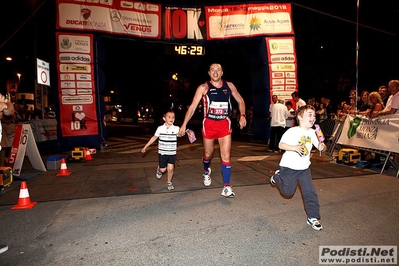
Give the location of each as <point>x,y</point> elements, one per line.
<point>170,186</point>
<point>159,174</point>
<point>315,223</point>
<point>3,248</point>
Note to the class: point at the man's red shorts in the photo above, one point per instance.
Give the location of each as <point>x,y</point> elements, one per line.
<point>216,129</point>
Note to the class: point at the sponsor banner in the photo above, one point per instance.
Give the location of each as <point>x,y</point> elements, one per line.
<point>67,84</point>
<point>119,17</point>
<point>68,92</point>
<point>67,76</point>
<point>78,115</point>
<point>86,99</point>
<point>358,255</point>
<point>74,43</point>
<point>283,95</point>
<point>83,77</point>
<point>283,58</point>
<point>248,20</point>
<point>282,64</point>
<point>380,133</point>
<point>81,85</point>
<point>282,67</point>
<point>77,68</point>
<point>154,21</point>
<point>277,75</point>
<point>290,74</point>
<point>183,23</point>
<point>74,58</point>
<point>44,129</point>
<point>84,91</point>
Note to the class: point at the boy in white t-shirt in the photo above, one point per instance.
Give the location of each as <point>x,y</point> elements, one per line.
<point>167,147</point>
<point>294,165</point>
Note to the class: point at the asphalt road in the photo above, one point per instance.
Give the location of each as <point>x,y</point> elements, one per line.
<point>199,227</point>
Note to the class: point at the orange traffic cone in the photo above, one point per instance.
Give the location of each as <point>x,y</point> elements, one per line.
<point>88,155</point>
<point>63,170</point>
<point>24,199</point>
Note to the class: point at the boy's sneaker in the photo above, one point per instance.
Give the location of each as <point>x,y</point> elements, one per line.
<point>159,174</point>
<point>3,248</point>
<point>228,192</point>
<point>170,186</point>
<point>272,177</point>
<point>314,222</point>
<point>207,178</point>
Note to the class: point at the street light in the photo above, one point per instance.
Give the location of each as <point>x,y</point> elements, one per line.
<point>19,78</point>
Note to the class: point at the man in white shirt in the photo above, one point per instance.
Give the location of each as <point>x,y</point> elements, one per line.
<point>392,106</point>
<point>279,115</point>
<point>290,122</point>
<point>299,102</point>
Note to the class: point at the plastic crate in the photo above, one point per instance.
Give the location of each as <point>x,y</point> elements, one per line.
<point>54,162</point>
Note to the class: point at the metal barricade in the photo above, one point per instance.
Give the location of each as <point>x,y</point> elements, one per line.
<point>334,136</point>
<point>336,133</point>
<point>327,126</point>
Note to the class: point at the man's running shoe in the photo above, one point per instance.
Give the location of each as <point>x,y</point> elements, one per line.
<point>207,178</point>
<point>159,174</point>
<point>314,222</point>
<point>170,186</point>
<point>272,177</point>
<point>228,192</point>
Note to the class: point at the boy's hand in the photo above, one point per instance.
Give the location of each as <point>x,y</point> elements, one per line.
<point>300,149</point>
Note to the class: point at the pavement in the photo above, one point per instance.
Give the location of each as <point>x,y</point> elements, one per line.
<point>113,211</point>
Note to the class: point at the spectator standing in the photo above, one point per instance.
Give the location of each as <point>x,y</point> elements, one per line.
<point>274,101</point>
<point>392,106</point>
<point>383,91</point>
<point>291,117</point>
<point>299,102</point>
<point>7,108</point>
<point>329,109</point>
<point>363,104</point>
<point>279,115</point>
<point>376,103</point>
<point>321,114</point>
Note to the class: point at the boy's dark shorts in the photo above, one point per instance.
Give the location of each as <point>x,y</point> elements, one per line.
<point>164,160</point>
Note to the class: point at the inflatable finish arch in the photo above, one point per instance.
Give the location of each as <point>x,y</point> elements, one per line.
<point>79,55</point>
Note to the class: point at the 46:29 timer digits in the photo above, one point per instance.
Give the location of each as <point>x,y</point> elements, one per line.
<point>189,49</point>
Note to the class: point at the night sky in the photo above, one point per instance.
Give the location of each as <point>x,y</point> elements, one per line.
<point>328,71</point>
